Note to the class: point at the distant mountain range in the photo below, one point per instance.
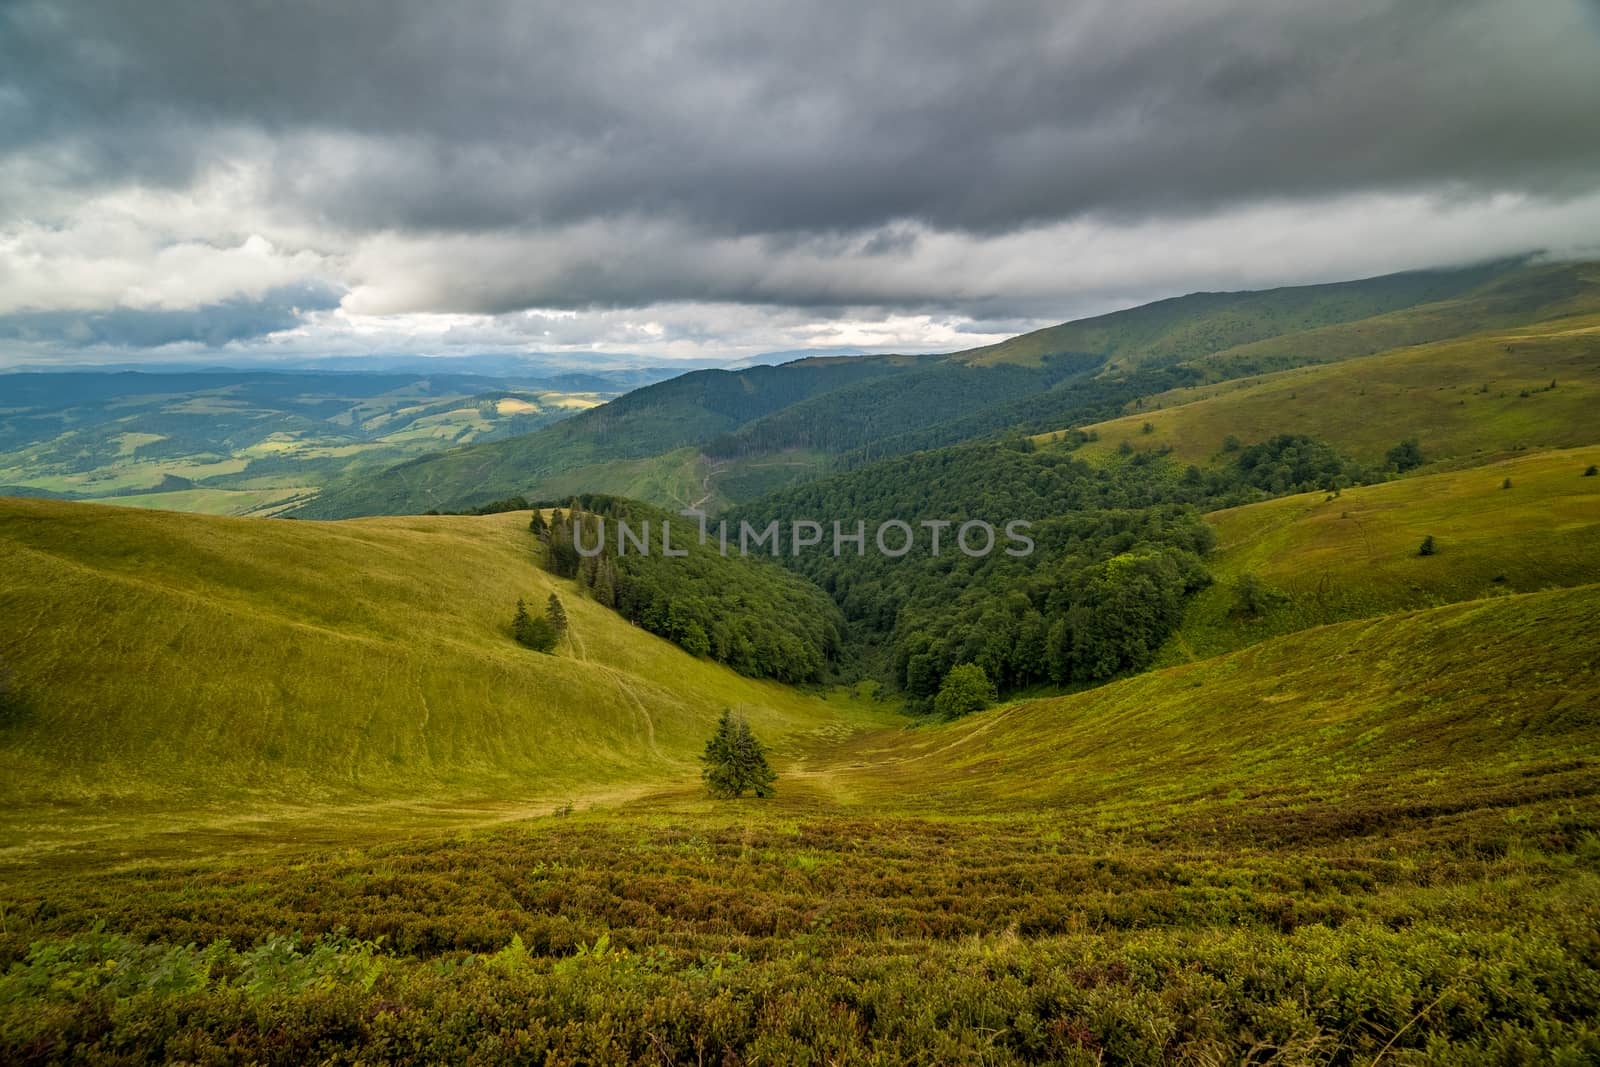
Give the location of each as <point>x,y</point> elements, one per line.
<point>715,436</point>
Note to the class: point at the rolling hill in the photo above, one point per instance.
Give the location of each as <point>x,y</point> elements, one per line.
<point>1323,558</point>
<point>252,441</point>
<point>165,660</point>
<point>289,792</point>
<point>1373,839</point>
<point>1200,325</point>
<point>1465,401</point>
<point>861,408</point>
<point>1410,705</point>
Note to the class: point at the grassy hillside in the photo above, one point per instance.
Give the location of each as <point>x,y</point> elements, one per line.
<point>1409,706</point>
<point>1322,560</point>
<point>1200,324</point>
<point>165,659</point>
<point>862,408</point>
<point>1531,295</point>
<point>1467,400</point>
<point>1370,843</point>
<point>288,792</point>
<point>217,501</point>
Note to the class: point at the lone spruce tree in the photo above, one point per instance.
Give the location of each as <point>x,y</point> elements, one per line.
<point>735,761</point>
<point>556,614</point>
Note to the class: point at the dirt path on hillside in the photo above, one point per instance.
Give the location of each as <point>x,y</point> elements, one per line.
<point>707,490</point>
<point>625,683</point>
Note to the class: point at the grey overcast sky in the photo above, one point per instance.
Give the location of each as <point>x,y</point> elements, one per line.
<point>692,179</point>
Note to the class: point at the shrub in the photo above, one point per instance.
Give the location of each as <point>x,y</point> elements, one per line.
<point>1591,471</point>
<point>1428,547</point>
<point>1251,598</point>
<point>966,689</point>
<point>1407,455</point>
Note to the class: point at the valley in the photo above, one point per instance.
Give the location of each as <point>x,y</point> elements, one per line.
<point>1256,777</point>
<point>257,443</point>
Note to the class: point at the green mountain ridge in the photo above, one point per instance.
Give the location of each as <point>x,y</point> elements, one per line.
<point>860,408</point>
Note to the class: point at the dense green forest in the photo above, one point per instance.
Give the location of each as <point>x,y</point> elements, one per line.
<point>858,416</point>
<point>1104,584</point>
<point>1072,402</point>
<point>747,613</point>
<point>687,410</point>
<point>1117,551</point>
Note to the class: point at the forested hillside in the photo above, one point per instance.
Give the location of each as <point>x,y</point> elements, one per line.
<point>838,413</point>
<point>741,611</point>
<point>688,410</point>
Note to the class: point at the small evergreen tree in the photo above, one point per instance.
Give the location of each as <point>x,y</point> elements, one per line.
<point>966,689</point>
<point>537,523</point>
<point>557,615</point>
<point>604,589</point>
<point>1428,548</point>
<point>1591,471</point>
<point>564,557</point>
<point>735,761</point>
<point>1506,484</point>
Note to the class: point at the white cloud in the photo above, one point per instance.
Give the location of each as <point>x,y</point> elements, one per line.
<point>151,249</point>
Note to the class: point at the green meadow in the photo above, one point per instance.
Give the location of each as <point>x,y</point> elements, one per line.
<point>1465,400</point>
<point>230,661</point>
<point>287,792</point>
<point>1323,558</point>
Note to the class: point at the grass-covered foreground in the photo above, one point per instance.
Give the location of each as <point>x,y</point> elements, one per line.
<point>791,932</point>
<point>1212,863</point>
<point>288,792</point>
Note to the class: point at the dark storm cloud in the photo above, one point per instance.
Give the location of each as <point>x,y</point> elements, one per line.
<point>832,127</point>
<point>213,325</point>
<point>819,116</point>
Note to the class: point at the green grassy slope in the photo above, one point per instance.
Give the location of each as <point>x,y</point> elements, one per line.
<point>1324,560</point>
<point>1422,706</point>
<point>1463,399</point>
<point>1374,842</point>
<point>173,659</point>
<point>1532,295</point>
<point>1200,324</point>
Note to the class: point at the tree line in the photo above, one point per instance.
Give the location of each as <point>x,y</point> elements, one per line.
<point>749,614</point>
